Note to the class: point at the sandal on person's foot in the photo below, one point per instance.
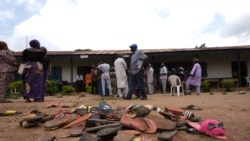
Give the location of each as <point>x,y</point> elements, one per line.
<point>28,100</point>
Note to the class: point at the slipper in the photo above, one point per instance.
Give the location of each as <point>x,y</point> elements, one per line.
<point>210,127</point>
<point>181,128</point>
<point>192,107</point>
<point>26,124</point>
<point>107,134</point>
<point>76,130</point>
<point>9,112</point>
<point>141,124</point>
<point>133,132</point>
<point>78,120</point>
<point>167,135</point>
<point>180,112</point>
<point>59,121</point>
<point>162,123</point>
<point>97,122</point>
<point>30,121</point>
<point>88,137</point>
<point>192,130</point>
<point>97,128</point>
<point>125,135</point>
<point>108,131</point>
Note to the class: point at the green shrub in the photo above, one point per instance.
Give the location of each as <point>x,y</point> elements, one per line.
<point>15,87</point>
<point>68,89</point>
<point>228,85</point>
<point>205,86</point>
<point>88,89</point>
<point>51,87</point>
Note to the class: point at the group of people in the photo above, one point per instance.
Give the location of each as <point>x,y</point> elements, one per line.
<point>36,70</point>
<point>137,78</point>
<point>38,67</point>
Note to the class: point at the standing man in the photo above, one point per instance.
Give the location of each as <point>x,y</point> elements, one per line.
<point>121,76</point>
<point>150,79</point>
<point>137,74</point>
<point>194,78</point>
<point>163,77</point>
<point>105,77</point>
<point>79,82</point>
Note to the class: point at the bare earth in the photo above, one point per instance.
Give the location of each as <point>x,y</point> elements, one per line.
<point>233,109</point>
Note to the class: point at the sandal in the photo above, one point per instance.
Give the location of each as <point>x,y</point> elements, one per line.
<point>28,100</point>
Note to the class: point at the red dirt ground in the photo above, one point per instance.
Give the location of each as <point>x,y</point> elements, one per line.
<point>233,109</point>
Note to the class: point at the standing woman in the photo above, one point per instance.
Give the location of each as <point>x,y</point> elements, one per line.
<point>33,81</point>
<point>7,69</point>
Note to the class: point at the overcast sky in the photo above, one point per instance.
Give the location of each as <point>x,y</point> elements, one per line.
<point>66,25</point>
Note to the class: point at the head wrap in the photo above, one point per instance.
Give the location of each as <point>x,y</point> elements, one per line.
<point>34,43</point>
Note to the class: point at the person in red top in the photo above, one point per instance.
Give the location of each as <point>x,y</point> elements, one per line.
<point>94,77</point>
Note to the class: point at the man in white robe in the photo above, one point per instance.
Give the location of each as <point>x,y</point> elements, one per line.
<point>121,76</point>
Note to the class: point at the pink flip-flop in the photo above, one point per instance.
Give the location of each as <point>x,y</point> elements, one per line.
<point>210,127</point>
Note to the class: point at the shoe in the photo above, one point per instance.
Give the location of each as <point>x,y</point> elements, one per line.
<point>28,100</point>
<point>144,98</point>
<point>127,98</point>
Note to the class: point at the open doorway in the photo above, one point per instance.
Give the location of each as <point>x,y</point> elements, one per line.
<point>239,71</point>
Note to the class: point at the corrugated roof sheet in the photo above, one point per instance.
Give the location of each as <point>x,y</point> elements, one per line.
<point>148,51</point>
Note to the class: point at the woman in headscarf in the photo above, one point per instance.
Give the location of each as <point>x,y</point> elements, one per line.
<point>33,82</point>
<point>7,69</point>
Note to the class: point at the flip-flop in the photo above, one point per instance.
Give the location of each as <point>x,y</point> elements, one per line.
<point>163,123</point>
<point>78,120</point>
<point>30,121</point>
<point>124,135</point>
<point>59,121</point>
<point>76,130</point>
<point>204,128</point>
<point>97,128</point>
<point>167,135</point>
<point>88,137</point>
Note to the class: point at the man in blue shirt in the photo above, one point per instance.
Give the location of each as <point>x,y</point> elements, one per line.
<point>136,72</point>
